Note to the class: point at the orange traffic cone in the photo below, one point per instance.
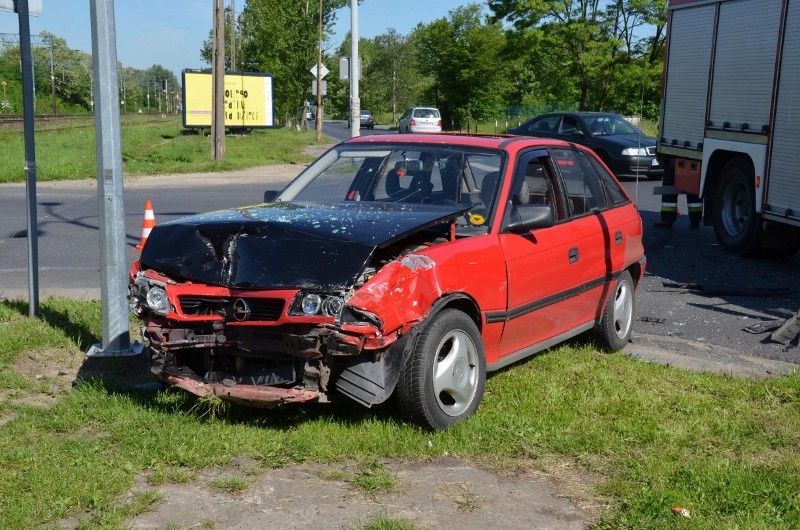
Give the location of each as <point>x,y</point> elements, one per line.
<point>148,223</point>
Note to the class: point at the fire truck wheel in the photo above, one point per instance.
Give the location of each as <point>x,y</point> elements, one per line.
<point>736,223</point>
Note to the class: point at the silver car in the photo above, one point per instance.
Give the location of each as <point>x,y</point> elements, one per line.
<point>420,120</point>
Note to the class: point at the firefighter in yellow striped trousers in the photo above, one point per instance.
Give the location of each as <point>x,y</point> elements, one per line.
<point>669,203</point>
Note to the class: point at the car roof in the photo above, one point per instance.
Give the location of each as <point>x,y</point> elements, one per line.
<point>583,113</point>
<point>496,141</point>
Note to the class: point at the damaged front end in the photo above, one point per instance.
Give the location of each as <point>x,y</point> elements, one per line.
<point>221,317</point>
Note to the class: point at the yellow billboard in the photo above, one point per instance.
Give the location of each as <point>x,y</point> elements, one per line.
<point>248,99</point>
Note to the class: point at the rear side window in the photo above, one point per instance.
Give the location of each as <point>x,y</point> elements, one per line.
<point>584,190</point>
<point>612,188</point>
<point>547,124</point>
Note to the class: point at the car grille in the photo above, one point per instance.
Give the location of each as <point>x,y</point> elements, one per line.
<point>651,150</point>
<point>265,309</point>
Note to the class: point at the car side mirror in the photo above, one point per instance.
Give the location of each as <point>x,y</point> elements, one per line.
<point>578,132</point>
<point>271,195</point>
<point>524,217</point>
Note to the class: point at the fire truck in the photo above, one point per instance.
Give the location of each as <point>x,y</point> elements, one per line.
<point>730,118</point>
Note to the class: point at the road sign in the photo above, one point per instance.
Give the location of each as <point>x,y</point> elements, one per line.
<point>34,7</point>
<point>344,68</point>
<point>324,88</point>
<point>323,72</point>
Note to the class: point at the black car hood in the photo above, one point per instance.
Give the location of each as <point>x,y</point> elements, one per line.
<point>285,245</point>
<point>627,140</point>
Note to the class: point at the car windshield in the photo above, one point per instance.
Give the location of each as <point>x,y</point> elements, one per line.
<point>409,173</point>
<point>610,125</point>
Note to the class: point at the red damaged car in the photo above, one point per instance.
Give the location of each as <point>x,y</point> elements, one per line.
<point>394,265</point>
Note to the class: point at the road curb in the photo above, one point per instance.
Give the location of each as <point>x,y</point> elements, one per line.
<point>701,357</point>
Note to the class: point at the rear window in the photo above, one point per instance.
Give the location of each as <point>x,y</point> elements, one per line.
<point>426,113</point>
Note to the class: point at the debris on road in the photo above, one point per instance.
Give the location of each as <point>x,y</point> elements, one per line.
<point>788,331</point>
<point>763,327</point>
<point>694,288</point>
<point>652,320</point>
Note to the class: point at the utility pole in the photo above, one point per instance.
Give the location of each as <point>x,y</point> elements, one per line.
<point>111,208</point>
<point>218,81</point>
<point>233,35</point>
<point>319,78</point>
<point>28,110</point>
<point>355,73</point>
<point>52,76</point>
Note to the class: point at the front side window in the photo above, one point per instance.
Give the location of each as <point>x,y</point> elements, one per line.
<point>571,126</point>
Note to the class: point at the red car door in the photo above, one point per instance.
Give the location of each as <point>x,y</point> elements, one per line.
<point>544,265</point>
<point>599,226</point>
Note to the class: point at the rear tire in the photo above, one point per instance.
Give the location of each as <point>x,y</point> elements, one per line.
<point>442,380</point>
<point>736,223</point>
<point>613,330</point>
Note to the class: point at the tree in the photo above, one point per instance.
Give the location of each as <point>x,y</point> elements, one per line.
<point>584,51</point>
<point>280,37</point>
<point>389,78</point>
<point>460,55</point>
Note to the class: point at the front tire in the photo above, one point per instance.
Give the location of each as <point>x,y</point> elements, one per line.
<point>736,223</point>
<point>442,380</point>
<point>613,330</point>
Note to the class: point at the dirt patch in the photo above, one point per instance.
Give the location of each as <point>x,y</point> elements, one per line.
<point>54,372</point>
<point>443,493</point>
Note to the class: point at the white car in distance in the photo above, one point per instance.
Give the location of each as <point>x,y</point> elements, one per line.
<point>420,120</point>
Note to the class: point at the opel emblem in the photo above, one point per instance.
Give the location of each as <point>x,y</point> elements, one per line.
<point>241,309</point>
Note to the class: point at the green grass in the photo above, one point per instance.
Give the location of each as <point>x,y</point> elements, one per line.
<point>385,522</point>
<point>726,449</point>
<point>372,477</point>
<point>150,145</point>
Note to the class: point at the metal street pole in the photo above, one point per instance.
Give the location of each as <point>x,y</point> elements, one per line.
<point>111,209</point>
<point>319,78</point>
<point>355,73</point>
<point>30,156</point>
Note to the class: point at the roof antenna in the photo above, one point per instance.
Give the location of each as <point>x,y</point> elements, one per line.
<point>639,146</point>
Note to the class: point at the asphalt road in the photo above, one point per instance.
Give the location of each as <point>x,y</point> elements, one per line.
<point>733,292</point>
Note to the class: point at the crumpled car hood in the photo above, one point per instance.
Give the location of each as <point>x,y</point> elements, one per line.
<point>285,245</point>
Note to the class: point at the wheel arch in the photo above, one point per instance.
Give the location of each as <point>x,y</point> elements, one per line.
<point>717,153</point>
<point>636,272</point>
<point>461,301</point>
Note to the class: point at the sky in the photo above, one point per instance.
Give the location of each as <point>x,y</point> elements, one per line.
<point>171,32</point>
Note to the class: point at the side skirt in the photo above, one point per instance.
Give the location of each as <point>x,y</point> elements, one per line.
<point>536,348</point>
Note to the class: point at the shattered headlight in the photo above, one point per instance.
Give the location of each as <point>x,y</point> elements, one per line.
<point>146,294</point>
<point>315,304</point>
<point>157,300</point>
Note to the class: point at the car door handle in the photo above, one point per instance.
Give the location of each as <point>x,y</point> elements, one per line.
<point>573,255</point>
<point>618,238</point>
